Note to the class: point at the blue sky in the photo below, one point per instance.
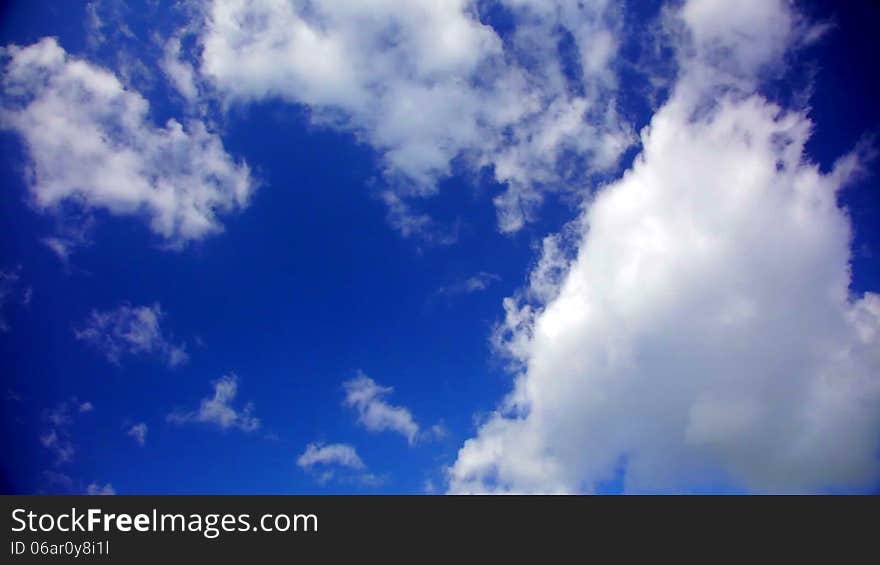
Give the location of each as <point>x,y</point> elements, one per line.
<point>380,236</point>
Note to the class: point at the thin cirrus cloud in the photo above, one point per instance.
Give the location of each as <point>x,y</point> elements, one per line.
<point>427,83</point>
<point>91,145</point>
<point>703,327</point>
<point>133,331</point>
<point>218,409</point>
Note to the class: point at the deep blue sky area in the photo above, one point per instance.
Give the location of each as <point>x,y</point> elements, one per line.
<point>307,286</point>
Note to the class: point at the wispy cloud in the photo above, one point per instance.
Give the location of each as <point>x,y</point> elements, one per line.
<point>341,454</point>
<point>60,446</point>
<point>477,101</point>
<point>139,433</point>
<point>11,291</point>
<point>217,409</point>
<point>368,398</point>
<point>337,462</point>
<point>57,437</point>
<point>131,330</point>
<point>98,489</point>
<point>476,283</point>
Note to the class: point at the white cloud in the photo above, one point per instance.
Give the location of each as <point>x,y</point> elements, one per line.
<point>437,431</point>
<point>91,144</point>
<point>341,454</point>
<point>98,489</point>
<point>410,223</point>
<point>426,83</point>
<point>742,42</point>
<point>703,328</point>
<point>217,409</point>
<point>367,397</point>
<point>179,72</point>
<point>62,413</point>
<point>131,330</point>
<point>338,462</point>
<point>59,418</point>
<point>139,433</point>
<point>94,24</point>
<point>61,447</point>
<point>475,283</point>
<point>59,246</point>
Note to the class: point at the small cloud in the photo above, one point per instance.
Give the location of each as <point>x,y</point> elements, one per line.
<point>437,431</point>
<point>336,462</point>
<point>8,290</point>
<point>131,330</point>
<point>218,410</point>
<point>367,397</point>
<point>62,413</point>
<point>477,283</point>
<point>339,454</point>
<point>100,490</point>
<point>60,247</point>
<point>412,224</point>
<point>139,433</point>
<point>94,25</point>
<point>57,438</point>
<point>72,232</point>
<point>371,479</point>
<point>61,447</point>
<point>178,71</point>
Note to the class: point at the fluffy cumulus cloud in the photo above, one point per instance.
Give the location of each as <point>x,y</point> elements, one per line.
<point>131,330</point>
<point>91,144</point>
<point>218,409</point>
<point>376,414</point>
<point>427,83</point>
<point>702,329</point>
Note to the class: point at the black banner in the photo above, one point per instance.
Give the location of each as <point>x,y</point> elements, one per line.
<point>280,529</point>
